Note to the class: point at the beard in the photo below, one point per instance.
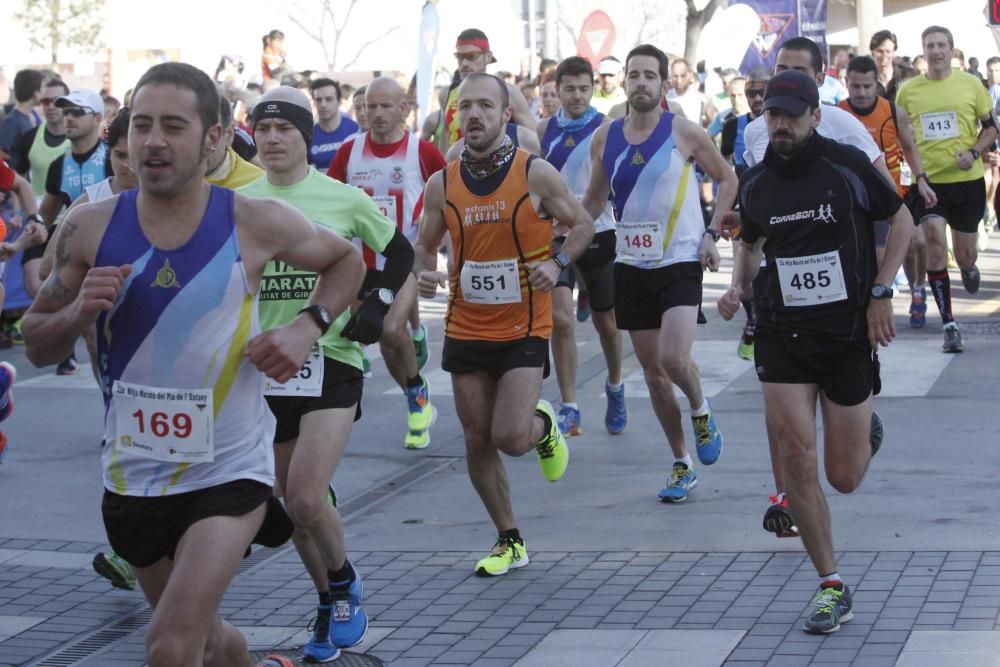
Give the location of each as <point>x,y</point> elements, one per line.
<point>787,145</point>
<point>485,142</point>
<point>643,105</point>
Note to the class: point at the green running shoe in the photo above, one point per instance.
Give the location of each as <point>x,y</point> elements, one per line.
<point>553,454</point>
<point>115,569</point>
<point>507,554</point>
<point>831,607</point>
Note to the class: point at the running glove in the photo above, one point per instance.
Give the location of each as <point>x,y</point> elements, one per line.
<point>365,326</point>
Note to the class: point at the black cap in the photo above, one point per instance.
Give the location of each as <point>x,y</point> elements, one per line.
<point>791,91</point>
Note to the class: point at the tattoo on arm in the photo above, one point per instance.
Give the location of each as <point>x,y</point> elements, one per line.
<point>54,288</point>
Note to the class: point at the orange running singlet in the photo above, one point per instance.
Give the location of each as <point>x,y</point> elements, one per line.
<point>881,123</point>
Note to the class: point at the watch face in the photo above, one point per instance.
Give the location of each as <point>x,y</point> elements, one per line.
<point>385,296</point>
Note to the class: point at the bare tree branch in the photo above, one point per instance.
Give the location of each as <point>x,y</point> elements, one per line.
<point>364,46</point>
<point>319,30</point>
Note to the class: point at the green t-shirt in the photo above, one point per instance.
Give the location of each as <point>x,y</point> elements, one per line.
<point>345,210</point>
<point>945,115</point>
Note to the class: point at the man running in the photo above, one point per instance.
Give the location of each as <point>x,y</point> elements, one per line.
<point>496,204</point>
<point>645,162</point>
<point>892,131</point>
<point>565,139</point>
<point>822,308</point>
<point>332,127</point>
<point>316,411</point>
<point>472,50</point>
<point>954,123</point>
<point>35,150</point>
<point>225,167</point>
<point>172,270</point>
<point>392,166</point>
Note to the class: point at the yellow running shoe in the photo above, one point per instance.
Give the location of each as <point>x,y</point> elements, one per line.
<point>553,454</point>
<point>507,554</point>
<point>420,416</point>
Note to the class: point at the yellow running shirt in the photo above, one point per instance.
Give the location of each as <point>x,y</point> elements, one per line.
<point>946,115</point>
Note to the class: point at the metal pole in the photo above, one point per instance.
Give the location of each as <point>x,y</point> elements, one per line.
<point>532,36</point>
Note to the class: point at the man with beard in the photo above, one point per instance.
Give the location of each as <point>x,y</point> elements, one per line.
<point>496,203</point>
<point>566,140</point>
<point>823,306</point>
<point>645,162</point>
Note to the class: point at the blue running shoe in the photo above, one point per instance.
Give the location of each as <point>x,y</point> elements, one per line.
<point>568,421</point>
<point>918,308</point>
<point>349,622</point>
<point>7,376</point>
<point>320,648</point>
<point>831,607</point>
<point>682,480</point>
<point>616,417</point>
<point>708,437</point>
<point>582,306</point>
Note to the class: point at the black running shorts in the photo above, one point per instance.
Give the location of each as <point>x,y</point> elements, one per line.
<point>495,358</point>
<point>961,204</point>
<point>143,530</point>
<point>643,295</point>
<point>342,388</point>
<point>847,372</point>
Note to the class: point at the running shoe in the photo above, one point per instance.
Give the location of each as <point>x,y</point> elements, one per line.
<point>778,519</point>
<point>569,421</point>
<point>708,437</point>
<point>115,569</point>
<point>876,433</point>
<point>682,480</point>
<point>831,607</point>
<point>14,334</point>
<point>366,365</point>
<point>918,307</point>
<point>553,454</point>
<point>701,316</point>
<point>616,416</point>
<point>420,416</point>
<point>68,366</point>
<point>8,374</point>
<point>506,555</point>
<point>320,648</point>
<point>350,622</point>
<point>331,495</point>
<point>582,306</point>
<point>745,348</point>
<point>276,661</point>
<point>970,279</point>
<point>3,446</point>
<point>952,338</point>
<point>420,348</point>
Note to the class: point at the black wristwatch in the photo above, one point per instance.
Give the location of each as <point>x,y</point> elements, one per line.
<point>975,153</point>
<point>880,291</point>
<point>714,234</point>
<point>320,315</point>
<point>562,260</point>
<point>924,176</point>
<point>34,217</point>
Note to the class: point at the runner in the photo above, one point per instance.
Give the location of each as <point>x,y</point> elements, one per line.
<point>954,124</point>
<point>188,467</point>
<point>332,127</point>
<point>662,249</point>
<point>495,204</point>
<point>566,141</point>
<point>360,110</point>
<point>392,166</point>
<point>225,167</point>
<point>472,50</point>
<point>823,308</point>
<point>36,149</point>
<point>732,147</point>
<point>316,411</point>
<point>892,131</point>
<point>803,55</point>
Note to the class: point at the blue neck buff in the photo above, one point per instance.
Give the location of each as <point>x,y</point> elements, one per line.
<point>568,124</point>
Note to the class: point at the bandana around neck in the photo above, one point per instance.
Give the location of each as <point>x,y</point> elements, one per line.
<point>573,124</point>
<point>481,168</point>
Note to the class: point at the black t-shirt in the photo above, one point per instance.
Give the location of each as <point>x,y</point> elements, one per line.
<point>816,213</point>
<point>53,179</point>
<point>730,128</point>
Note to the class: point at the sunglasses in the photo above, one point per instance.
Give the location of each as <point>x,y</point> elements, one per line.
<point>468,56</point>
<point>755,92</point>
<point>47,101</point>
<point>76,112</point>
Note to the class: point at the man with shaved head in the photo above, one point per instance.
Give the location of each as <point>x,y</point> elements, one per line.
<point>316,409</point>
<point>392,166</point>
<point>497,203</point>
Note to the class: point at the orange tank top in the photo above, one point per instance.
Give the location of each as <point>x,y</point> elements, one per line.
<point>494,238</point>
<point>881,123</point>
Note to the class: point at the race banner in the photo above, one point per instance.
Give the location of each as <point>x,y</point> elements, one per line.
<point>426,47</point>
<point>780,20</point>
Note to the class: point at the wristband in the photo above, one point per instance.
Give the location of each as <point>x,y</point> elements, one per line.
<point>34,217</point>
<point>923,175</point>
<point>975,153</point>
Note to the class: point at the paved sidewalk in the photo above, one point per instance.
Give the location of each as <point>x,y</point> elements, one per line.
<point>636,608</point>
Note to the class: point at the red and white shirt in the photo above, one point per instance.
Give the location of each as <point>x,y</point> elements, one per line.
<point>393,175</point>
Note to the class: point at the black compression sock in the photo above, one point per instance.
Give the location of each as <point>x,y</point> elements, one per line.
<point>342,577</point>
<point>414,381</point>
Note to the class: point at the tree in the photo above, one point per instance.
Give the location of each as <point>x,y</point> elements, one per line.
<point>696,20</point>
<point>52,24</point>
<point>327,29</point>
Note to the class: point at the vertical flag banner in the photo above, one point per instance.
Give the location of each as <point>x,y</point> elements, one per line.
<point>426,48</point>
<point>778,23</point>
<point>812,24</point>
